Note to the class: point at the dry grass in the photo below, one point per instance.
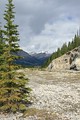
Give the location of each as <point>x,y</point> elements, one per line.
<point>41,114</point>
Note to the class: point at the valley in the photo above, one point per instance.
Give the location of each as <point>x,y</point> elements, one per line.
<point>55,95</point>
<point>57,92</point>
<point>40,60</point>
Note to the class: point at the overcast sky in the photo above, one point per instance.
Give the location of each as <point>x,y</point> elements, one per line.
<point>44,25</point>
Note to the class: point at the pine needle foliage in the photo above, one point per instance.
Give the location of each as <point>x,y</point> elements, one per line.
<point>2,45</point>
<point>13,91</point>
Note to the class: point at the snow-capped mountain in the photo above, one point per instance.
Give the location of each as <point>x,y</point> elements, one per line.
<point>35,59</point>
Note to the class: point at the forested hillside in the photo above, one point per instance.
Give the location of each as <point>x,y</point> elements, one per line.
<point>64,49</point>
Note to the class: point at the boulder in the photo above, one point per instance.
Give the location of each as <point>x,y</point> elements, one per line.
<point>77,62</point>
<point>61,63</point>
<point>73,67</point>
<point>74,60</point>
<point>50,66</point>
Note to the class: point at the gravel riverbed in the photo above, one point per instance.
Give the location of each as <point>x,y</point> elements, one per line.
<point>56,92</point>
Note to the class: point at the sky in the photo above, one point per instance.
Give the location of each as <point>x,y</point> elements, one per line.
<point>44,25</point>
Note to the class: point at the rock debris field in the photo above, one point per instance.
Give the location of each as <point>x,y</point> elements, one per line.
<point>56,94</point>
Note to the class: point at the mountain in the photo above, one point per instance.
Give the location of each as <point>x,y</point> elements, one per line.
<point>31,60</point>
<point>26,60</point>
<point>42,57</point>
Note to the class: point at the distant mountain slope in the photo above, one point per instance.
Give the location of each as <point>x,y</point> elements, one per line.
<point>31,60</point>
<point>42,57</point>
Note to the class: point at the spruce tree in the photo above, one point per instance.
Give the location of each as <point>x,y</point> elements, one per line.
<point>2,45</point>
<point>64,48</point>
<point>76,41</point>
<point>69,46</point>
<point>13,91</point>
<point>1,42</point>
<point>58,52</point>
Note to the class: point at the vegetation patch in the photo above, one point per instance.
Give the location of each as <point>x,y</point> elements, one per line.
<point>41,114</point>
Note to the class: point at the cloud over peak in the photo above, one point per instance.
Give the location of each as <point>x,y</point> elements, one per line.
<point>45,25</point>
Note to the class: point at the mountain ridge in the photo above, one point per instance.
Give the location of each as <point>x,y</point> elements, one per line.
<point>28,60</point>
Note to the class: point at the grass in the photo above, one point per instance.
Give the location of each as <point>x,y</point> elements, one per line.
<point>41,114</point>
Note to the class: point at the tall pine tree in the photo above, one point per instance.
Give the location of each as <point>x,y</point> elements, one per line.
<point>1,41</point>
<point>2,45</point>
<point>13,91</point>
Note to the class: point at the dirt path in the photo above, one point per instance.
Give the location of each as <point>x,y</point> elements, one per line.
<point>57,92</point>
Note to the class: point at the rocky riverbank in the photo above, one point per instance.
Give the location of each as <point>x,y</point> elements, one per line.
<point>55,96</point>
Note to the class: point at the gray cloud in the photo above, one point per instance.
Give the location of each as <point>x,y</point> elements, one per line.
<point>45,25</point>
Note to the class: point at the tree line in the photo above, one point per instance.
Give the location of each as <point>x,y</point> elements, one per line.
<point>13,91</point>
<point>64,49</point>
